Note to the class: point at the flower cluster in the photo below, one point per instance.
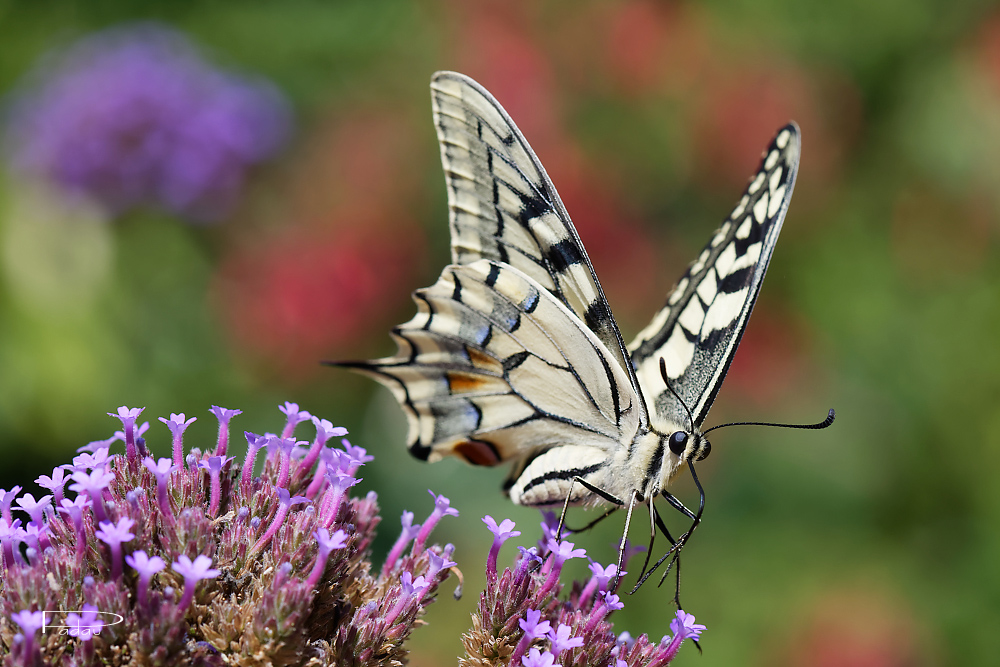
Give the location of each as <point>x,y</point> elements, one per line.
<point>195,560</point>
<point>134,116</point>
<point>521,621</point>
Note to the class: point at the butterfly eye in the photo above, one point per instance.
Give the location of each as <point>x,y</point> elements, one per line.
<point>705,451</point>
<point>678,442</point>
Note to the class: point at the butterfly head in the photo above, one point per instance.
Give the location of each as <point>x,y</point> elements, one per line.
<point>689,446</point>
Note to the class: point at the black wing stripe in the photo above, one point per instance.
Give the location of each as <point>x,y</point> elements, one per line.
<point>504,207</point>
<point>697,337</point>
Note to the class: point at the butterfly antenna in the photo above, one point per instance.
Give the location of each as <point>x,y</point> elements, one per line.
<point>823,424</point>
<point>666,381</point>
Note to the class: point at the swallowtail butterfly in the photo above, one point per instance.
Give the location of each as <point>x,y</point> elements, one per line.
<point>514,354</point>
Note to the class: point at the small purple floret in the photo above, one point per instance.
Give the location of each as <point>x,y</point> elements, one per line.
<point>93,485</point>
<point>193,572</point>
<point>6,498</point>
<point>85,625</point>
<point>501,534</point>
<point>224,416</point>
<point>294,417</point>
<point>327,543</point>
<point>113,535</point>
<point>409,531</point>
<point>177,426</point>
<point>34,508</point>
<point>146,566</point>
<point>56,483</point>
<point>535,658</point>
<point>442,508</point>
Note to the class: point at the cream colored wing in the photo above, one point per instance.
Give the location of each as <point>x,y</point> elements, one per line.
<point>494,367</point>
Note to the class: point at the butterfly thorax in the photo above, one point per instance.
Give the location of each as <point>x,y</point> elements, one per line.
<point>645,465</point>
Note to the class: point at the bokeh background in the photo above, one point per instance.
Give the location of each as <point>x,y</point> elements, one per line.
<point>201,200</point>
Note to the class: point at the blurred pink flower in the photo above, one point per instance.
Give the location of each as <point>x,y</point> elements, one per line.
<point>772,362</point>
<point>742,104</point>
<point>367,164</point>
<point>495,45</point>
<point>309,295</point>
<point>654,46</point>
<point>861,629</point>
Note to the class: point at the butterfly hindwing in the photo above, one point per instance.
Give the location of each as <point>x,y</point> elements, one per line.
<point>697,331</point>
<point>494,367</point>
<point>504,208</point>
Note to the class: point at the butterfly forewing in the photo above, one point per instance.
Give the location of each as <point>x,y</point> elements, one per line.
<point>494,367</point>
<point>696,333</point>
<point>504,208</point>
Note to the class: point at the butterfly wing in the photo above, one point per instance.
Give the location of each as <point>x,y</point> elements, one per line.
<point>699,328</point>
<point>504,208</point>
<point>494,367</point>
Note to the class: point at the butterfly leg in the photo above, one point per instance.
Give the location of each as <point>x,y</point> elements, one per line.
<point>636,498</point>
<point>594,522</point>
<point>593,489</point>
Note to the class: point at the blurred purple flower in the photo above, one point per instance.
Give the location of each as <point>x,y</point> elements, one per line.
<point>134,116</point>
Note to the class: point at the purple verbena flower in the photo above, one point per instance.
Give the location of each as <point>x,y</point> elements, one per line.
<point>87,461</point>
<point>538,659</point>
<point>438,563</point>
<point>6,498</point>
<point>324,431</point>
<point>561,639</point>
<point>683,627</point>
<point>11,536</point>
<point>161,470</point>
<point>285,501</point>
<point>74,509</point>
<point>533,628</point>
<point>224,415</point>
<point>85,625</point>
<point>177,426</point>
<point>327,543</point>
<point>408,532</point>
<point>599,580</point>
<point>339,483</point>
<point>31,622</point>
<point>134,116</point>
<point>550,528</point>
<point>113,535</point>
<point>193,572</point>
<point>34,508</point>
<point>93,485</point>
<point>411,590</point>
<point>609,602</point>
<point>146,566</point>
<point>55,483</point>
<point>294,417</point>
<point>501,534</point>
<point>128,416</point>
<point>214,466</point>
<point>559,553</point>
<point>281,448</point>
<point>254,443</point>
<point>442,508</point>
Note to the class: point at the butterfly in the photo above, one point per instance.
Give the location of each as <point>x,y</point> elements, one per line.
<point>514,354</point>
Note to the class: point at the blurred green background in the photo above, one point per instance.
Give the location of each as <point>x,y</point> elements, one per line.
<point>872,543</point>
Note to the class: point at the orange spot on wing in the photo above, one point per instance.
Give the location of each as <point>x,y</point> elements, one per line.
<point>483,360</point>
<point>477,453</point>
<point>460,383</point>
